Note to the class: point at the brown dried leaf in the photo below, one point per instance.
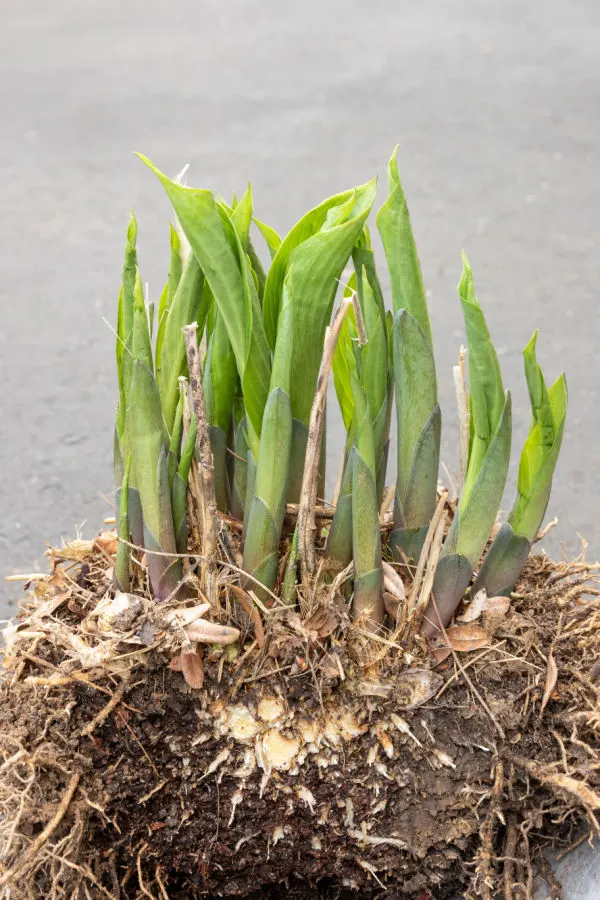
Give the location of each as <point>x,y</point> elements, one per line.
<point>416,686</point>
<point>551,679</point>
<point>198,629</point>
<point>193,669</point>
<point>323,620</point>
<point>440,654</point>
<point>464,638</point>
<point>496,606</point>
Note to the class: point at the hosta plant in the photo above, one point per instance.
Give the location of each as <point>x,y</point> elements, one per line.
<point>325,728</point>
<point>262,333</point>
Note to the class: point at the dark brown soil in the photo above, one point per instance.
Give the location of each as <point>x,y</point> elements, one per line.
<point>123,784</point>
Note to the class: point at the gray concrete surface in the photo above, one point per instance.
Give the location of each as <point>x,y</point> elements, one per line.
<point>494,105</point>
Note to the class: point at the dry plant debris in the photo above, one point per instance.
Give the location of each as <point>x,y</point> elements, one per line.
<point>297,762</point>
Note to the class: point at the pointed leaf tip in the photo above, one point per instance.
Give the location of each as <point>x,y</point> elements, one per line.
<point>393,173</point>
<point>465,285</point>
<point>160,175</point>
<point>530,348</point>
<point>132,228</point>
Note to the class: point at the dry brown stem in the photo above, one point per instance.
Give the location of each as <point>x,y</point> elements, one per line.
<point>209,503</point>
<point>425,573</point>
<point>462,402</point>
<point>308,496</point>
<point>194,493</point>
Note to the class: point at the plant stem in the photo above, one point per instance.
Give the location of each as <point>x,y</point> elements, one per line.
<point>209,503</point>
<point>308,497</point>
<point>462,402</point>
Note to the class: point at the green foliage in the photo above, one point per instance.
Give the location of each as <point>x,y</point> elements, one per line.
<point>418,419</point>
<point>122,562</point>
<point>393,222</point>
<point>511,546</point>
<point>262,329</point>
<point>541,449</point>
<point>267,509</point>
<point>216,244</point>
<point>189,303</point>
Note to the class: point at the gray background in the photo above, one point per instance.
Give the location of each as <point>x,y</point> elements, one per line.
<point>494,105</point>
<point>496,110</point>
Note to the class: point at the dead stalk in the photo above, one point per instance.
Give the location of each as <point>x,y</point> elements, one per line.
<point>321,512</point>
<point>209,503</point>
<point>194,495</point>
<point>423,580</point>
<point>462,402</point>
<point>308,497</point>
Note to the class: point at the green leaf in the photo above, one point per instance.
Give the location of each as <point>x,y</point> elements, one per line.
<point>216,245</point>
<point>366,535</point>
<point>420,498</point>
<point>189,304</point>
<point>312,256</point>
<point>418,421</point>
<point>179,503</point>
<point>272,472</point>
<point>541,407</point>
<point>261,547</point>
<point>162,321</point>
<point>393,223</point>
<point>175,266</point>
<point>272,239</point>
<point>538,461</point>
<point>130,274</point>
<point>297,460</point>
<point>118,461</point>
<point>452,576</point>
<point>485,379</point>
<point>218,446</point>
<point>477,511</point>
<point>241,216</point>
<point>125,323</point>
<point>179,490</point>
<point>344,366</point>
<point>290,578</point>
<point>220,377</point>
<point>187,453</point>
<point>148,452</point>
<point>240,470</point>
<point>272,469</point>
<point>339,540</point>
<point>373,356</point>
<point>250,482</point>
<point>122,561</point>
<point>175,442</point>
<point>503,563</point>
<point>141,346</point>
